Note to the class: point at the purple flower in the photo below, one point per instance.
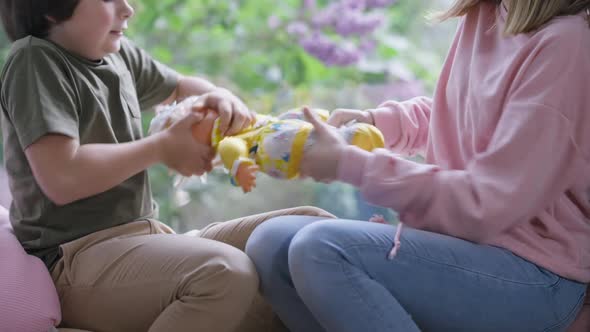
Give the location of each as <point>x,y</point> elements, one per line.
<point>358,23</point>
<point>274,22</point>
<point>330,52</point>
<point>309,4</point>
<point>379,3</point>
<point>298,29</point>
<point>340,33</point>
<point>367,45</point>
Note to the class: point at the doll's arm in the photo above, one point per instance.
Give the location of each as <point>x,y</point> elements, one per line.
<point>234,155</point>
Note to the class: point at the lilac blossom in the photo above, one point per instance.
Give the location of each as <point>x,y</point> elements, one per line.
<point>330,52</point>
<point>298,29</point>
<point>274,22</point>
<point>340,33</point>
<point>379,3</point>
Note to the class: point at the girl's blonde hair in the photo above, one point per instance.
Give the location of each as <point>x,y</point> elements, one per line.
<point>524,15</point>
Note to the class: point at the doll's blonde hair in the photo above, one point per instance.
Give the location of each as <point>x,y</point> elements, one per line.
<point>524,15</point>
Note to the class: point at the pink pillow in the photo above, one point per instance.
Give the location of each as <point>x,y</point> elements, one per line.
<point>28,297</point>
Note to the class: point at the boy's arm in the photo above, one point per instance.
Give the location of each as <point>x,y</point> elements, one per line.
<point>67,171</point>
<point>189,86</point>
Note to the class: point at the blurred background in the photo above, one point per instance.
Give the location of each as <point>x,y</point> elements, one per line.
<point>277,55</point>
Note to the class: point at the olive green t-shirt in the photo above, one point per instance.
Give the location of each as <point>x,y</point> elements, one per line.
<point>45,89</point>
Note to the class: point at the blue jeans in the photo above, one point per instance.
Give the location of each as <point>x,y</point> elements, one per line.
<point>334,275</point>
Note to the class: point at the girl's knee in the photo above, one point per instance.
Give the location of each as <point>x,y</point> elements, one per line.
<point>272,237</point>
<point>265,244</point>
<point>313,242</point>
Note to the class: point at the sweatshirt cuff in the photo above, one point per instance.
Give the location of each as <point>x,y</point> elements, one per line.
<point>381,115</point>
<point>352,165</point>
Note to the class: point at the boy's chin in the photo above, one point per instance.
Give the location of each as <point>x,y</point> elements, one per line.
<point>113,47</point>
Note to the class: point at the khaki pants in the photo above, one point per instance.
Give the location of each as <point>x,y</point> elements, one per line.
<point>142,277</point>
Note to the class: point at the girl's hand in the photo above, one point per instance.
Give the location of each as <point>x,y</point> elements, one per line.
<point>181,152</point>
<point>233,113</point>
<point>342,116</point>
<point>320,161</point>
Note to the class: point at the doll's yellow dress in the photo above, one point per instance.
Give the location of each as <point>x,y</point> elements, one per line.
<point>275,144</point>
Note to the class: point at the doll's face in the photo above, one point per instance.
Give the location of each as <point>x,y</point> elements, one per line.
<point>203,129</point>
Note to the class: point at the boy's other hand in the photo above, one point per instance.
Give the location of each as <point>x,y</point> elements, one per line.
<point>181,152</point>
<point>233,113</point>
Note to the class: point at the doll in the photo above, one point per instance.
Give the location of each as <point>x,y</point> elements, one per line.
<point>273,145</point>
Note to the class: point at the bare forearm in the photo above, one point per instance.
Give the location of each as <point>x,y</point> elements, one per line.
<point>96,168</point>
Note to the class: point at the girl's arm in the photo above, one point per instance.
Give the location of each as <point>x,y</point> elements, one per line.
<point>538,151</point>
<point>523,171</point>
<point>404,124</point>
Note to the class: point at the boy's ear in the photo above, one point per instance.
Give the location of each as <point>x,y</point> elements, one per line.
<point>51,19</point>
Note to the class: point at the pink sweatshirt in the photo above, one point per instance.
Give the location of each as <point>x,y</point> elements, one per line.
<point>507,144</point>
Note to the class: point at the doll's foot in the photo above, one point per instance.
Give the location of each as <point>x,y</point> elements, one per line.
<point>246,176</point>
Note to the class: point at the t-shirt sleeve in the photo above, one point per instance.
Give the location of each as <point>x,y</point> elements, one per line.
<point>38,96</point>
<point>154,82</point>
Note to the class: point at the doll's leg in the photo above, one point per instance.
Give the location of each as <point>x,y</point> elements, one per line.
<point>365,136</point>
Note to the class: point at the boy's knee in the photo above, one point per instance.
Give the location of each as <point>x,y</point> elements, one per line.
<point>239,279</point>
<point>231,275</point>
<point>314,211</point>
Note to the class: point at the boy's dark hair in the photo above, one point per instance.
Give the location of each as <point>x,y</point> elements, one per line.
<point>23,18</point>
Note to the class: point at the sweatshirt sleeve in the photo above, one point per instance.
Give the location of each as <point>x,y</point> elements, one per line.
<point>507,184</point>
<point>404,124</point>
<point>533,156</point>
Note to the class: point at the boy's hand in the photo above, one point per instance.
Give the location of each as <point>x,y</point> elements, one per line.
<point>181,152</point>
<point>233,113</point>
<point>342,116</point>
<point>321,160</point>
